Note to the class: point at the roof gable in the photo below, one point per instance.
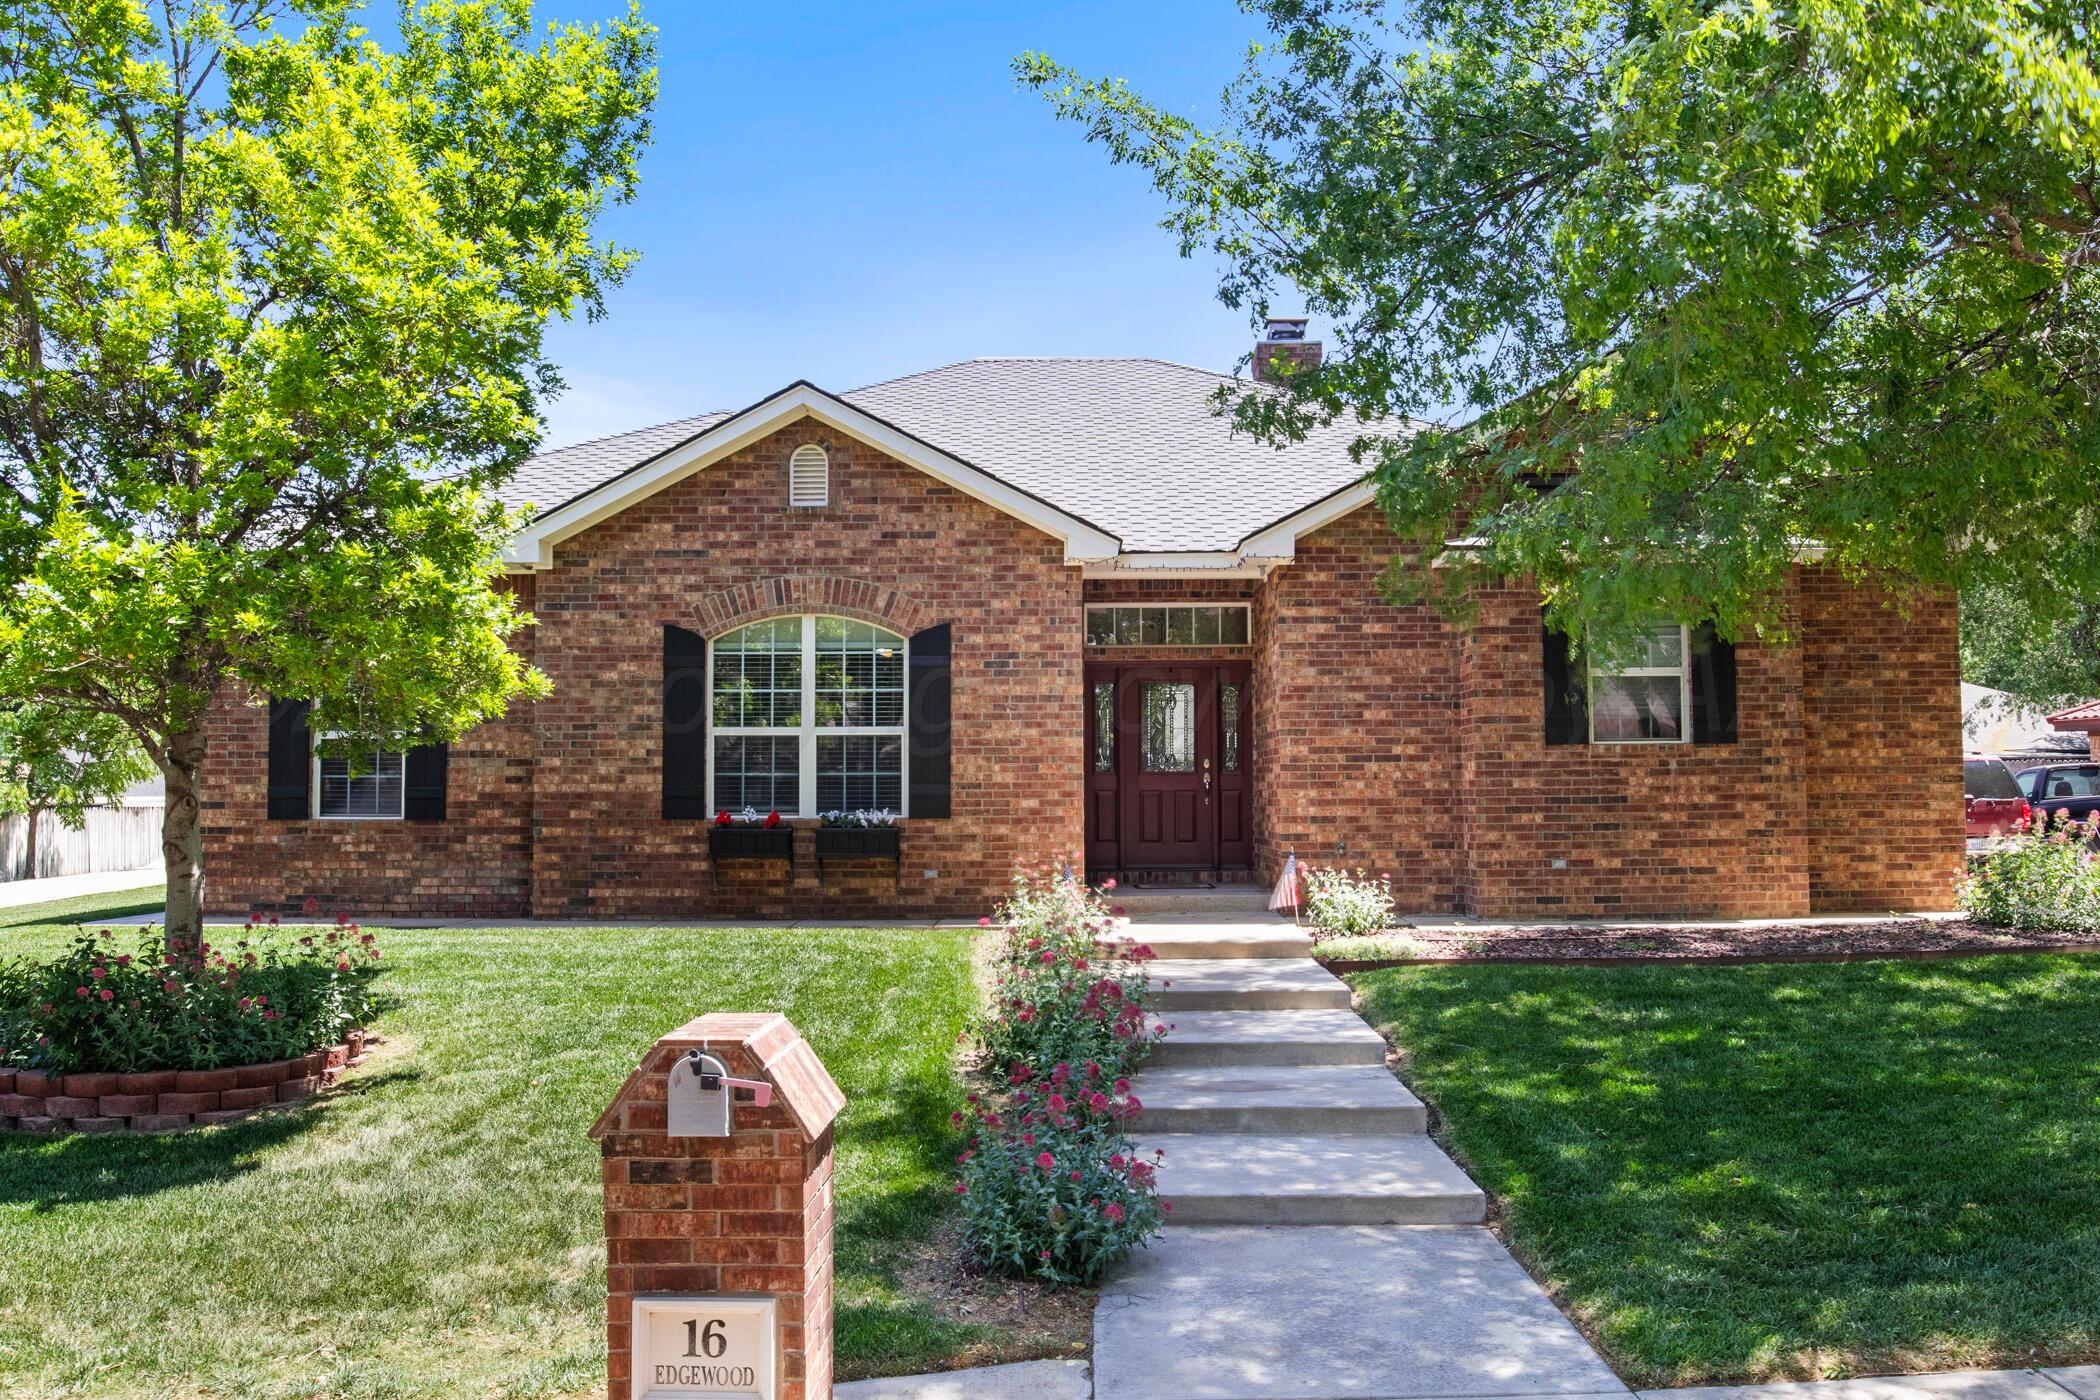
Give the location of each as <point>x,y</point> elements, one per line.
<point>674,451</point>
<point>1125,460</point>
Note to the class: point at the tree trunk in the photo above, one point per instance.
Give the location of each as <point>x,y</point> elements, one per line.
<point>182,838</point>
<point>29,840</point>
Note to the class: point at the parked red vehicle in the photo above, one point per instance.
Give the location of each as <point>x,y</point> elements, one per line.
<point>1991,798</point>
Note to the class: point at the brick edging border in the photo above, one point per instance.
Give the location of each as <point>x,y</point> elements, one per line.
<point>1346,967</point>
<point>159,1101</point>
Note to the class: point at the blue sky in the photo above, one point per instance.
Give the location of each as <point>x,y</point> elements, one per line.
<point>847,192</point>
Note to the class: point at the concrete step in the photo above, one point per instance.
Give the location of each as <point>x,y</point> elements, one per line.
<point>1277,1099</point>
<point>1177,939</point>
<point>1226,901</point>
<point>1329,1036</point>
<point>1312,1179</point>
<point>1244,984</point>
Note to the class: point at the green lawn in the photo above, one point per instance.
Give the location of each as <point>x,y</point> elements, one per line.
<point>434,1229</point>
<point>1735,1173</point>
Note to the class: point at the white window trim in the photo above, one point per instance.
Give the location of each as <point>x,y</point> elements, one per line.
<point>1682,670</point>
<point>313,785</point>
<point>1092,608</point>
<point>808,732</point>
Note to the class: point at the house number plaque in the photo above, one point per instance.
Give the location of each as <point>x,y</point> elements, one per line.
<point>703,1347</point>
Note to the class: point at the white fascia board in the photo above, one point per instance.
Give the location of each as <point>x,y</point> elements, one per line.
<point>1280,541</point>
<point>533,547</point>
<point>1220,563</point>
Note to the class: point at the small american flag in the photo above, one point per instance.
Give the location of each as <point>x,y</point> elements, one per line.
<point>1285,895</point>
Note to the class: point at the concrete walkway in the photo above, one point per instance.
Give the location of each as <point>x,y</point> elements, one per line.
<point>1321,1246</point>
<point>16,893</point>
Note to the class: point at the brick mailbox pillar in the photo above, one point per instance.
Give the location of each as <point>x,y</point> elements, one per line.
<point>745,1218</point>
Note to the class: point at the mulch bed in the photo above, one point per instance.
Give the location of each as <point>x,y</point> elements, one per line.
<point>1574,943</point>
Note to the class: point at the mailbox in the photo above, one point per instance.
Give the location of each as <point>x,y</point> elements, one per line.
<point>701,1094</point>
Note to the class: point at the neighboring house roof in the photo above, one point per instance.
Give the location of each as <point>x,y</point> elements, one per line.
<point>2083,719</point>
<point>1129,450</point>
<point>1993,722</point>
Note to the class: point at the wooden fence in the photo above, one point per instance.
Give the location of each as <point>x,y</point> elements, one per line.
<point>112,838</point>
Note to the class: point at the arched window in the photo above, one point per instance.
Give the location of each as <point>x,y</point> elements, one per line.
<point>808,717</point>
<point>809,476</point>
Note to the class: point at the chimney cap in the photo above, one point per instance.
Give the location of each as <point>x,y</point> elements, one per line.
<point>1286,328</point>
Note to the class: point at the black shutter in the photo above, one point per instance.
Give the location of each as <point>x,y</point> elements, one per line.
<point>685,725</point>
<point>1713,688</point>
<point>423,798</point>
<point>928,719</point>
<point>1567,699</point>
<point>291,761</point>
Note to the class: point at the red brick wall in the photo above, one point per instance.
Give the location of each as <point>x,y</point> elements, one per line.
<point>721,548</point>
<point>1582,830</point>
<point>1882,729</point>
<point>475,863</point>
<point>1355,720</point>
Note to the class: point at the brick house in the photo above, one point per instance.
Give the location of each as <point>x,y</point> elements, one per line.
<point>1056,608</point>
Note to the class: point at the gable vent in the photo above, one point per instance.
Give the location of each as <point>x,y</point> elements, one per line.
<point>809,476</point>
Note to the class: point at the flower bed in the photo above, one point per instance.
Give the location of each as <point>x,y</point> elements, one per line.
<point>162,1100</point>
<point>2044,880</point>
<point>1052,1187</point>
<point>161,1035</point>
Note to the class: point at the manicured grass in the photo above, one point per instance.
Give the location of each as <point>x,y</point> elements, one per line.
<point>1752,1172</point>
<point>81,907</point>
<point>434,1228</point>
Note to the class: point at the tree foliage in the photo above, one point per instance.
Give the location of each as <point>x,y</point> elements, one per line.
<point>2050,659</point>
<point>65,761</point>
<point>272,299</point>
<point>1688,287</point>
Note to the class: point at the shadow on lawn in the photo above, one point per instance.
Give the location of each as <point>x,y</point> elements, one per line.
<point>26,916</point>
<point>46,1173</point>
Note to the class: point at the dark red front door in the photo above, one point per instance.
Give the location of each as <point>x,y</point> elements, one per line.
<point>1168,761</point>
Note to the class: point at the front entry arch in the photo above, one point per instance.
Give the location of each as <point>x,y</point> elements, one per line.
<point>1169,763</point>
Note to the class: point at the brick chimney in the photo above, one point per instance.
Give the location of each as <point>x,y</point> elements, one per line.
<point>1284,341</point>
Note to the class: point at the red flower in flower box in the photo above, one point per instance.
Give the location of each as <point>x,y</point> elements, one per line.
<point>722,818</point>
<point>772,820</point>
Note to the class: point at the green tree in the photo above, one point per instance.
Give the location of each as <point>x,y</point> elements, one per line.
<point>63,761</point>
<point>272,328</point>
<point>2050,660</point>
<point>1700,286</point>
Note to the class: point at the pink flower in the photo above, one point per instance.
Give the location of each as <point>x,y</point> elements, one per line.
<point>1058,1104</point>
<point>1109,883</point>
<point>343,966</point>
<point>108,995</point>
<point>80,992</point>
<point>961,1190</point>
<point>985,922</point>
<point>98,973</point>
<point>170,987</point>
<point>1045,1161</point>
<point>1112,1211</point>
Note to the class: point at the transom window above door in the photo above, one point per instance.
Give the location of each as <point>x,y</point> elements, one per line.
<point>808,717</point>
<point>1197,625</point>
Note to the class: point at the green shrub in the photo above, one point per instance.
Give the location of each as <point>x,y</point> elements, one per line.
<point>1347,904</point>
<point>155,1004</point>
<point>2040,881</point>
<point>1058,996</point>
<point>1051,1186</point>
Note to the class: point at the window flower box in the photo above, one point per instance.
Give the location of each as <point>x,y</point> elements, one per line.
<point>857,843</point>
<point>751,843</point>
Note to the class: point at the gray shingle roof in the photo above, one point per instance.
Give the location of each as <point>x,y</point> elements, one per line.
<point>1129,445</point>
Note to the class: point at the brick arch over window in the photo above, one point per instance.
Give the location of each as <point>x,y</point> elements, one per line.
<point>810,593</point>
